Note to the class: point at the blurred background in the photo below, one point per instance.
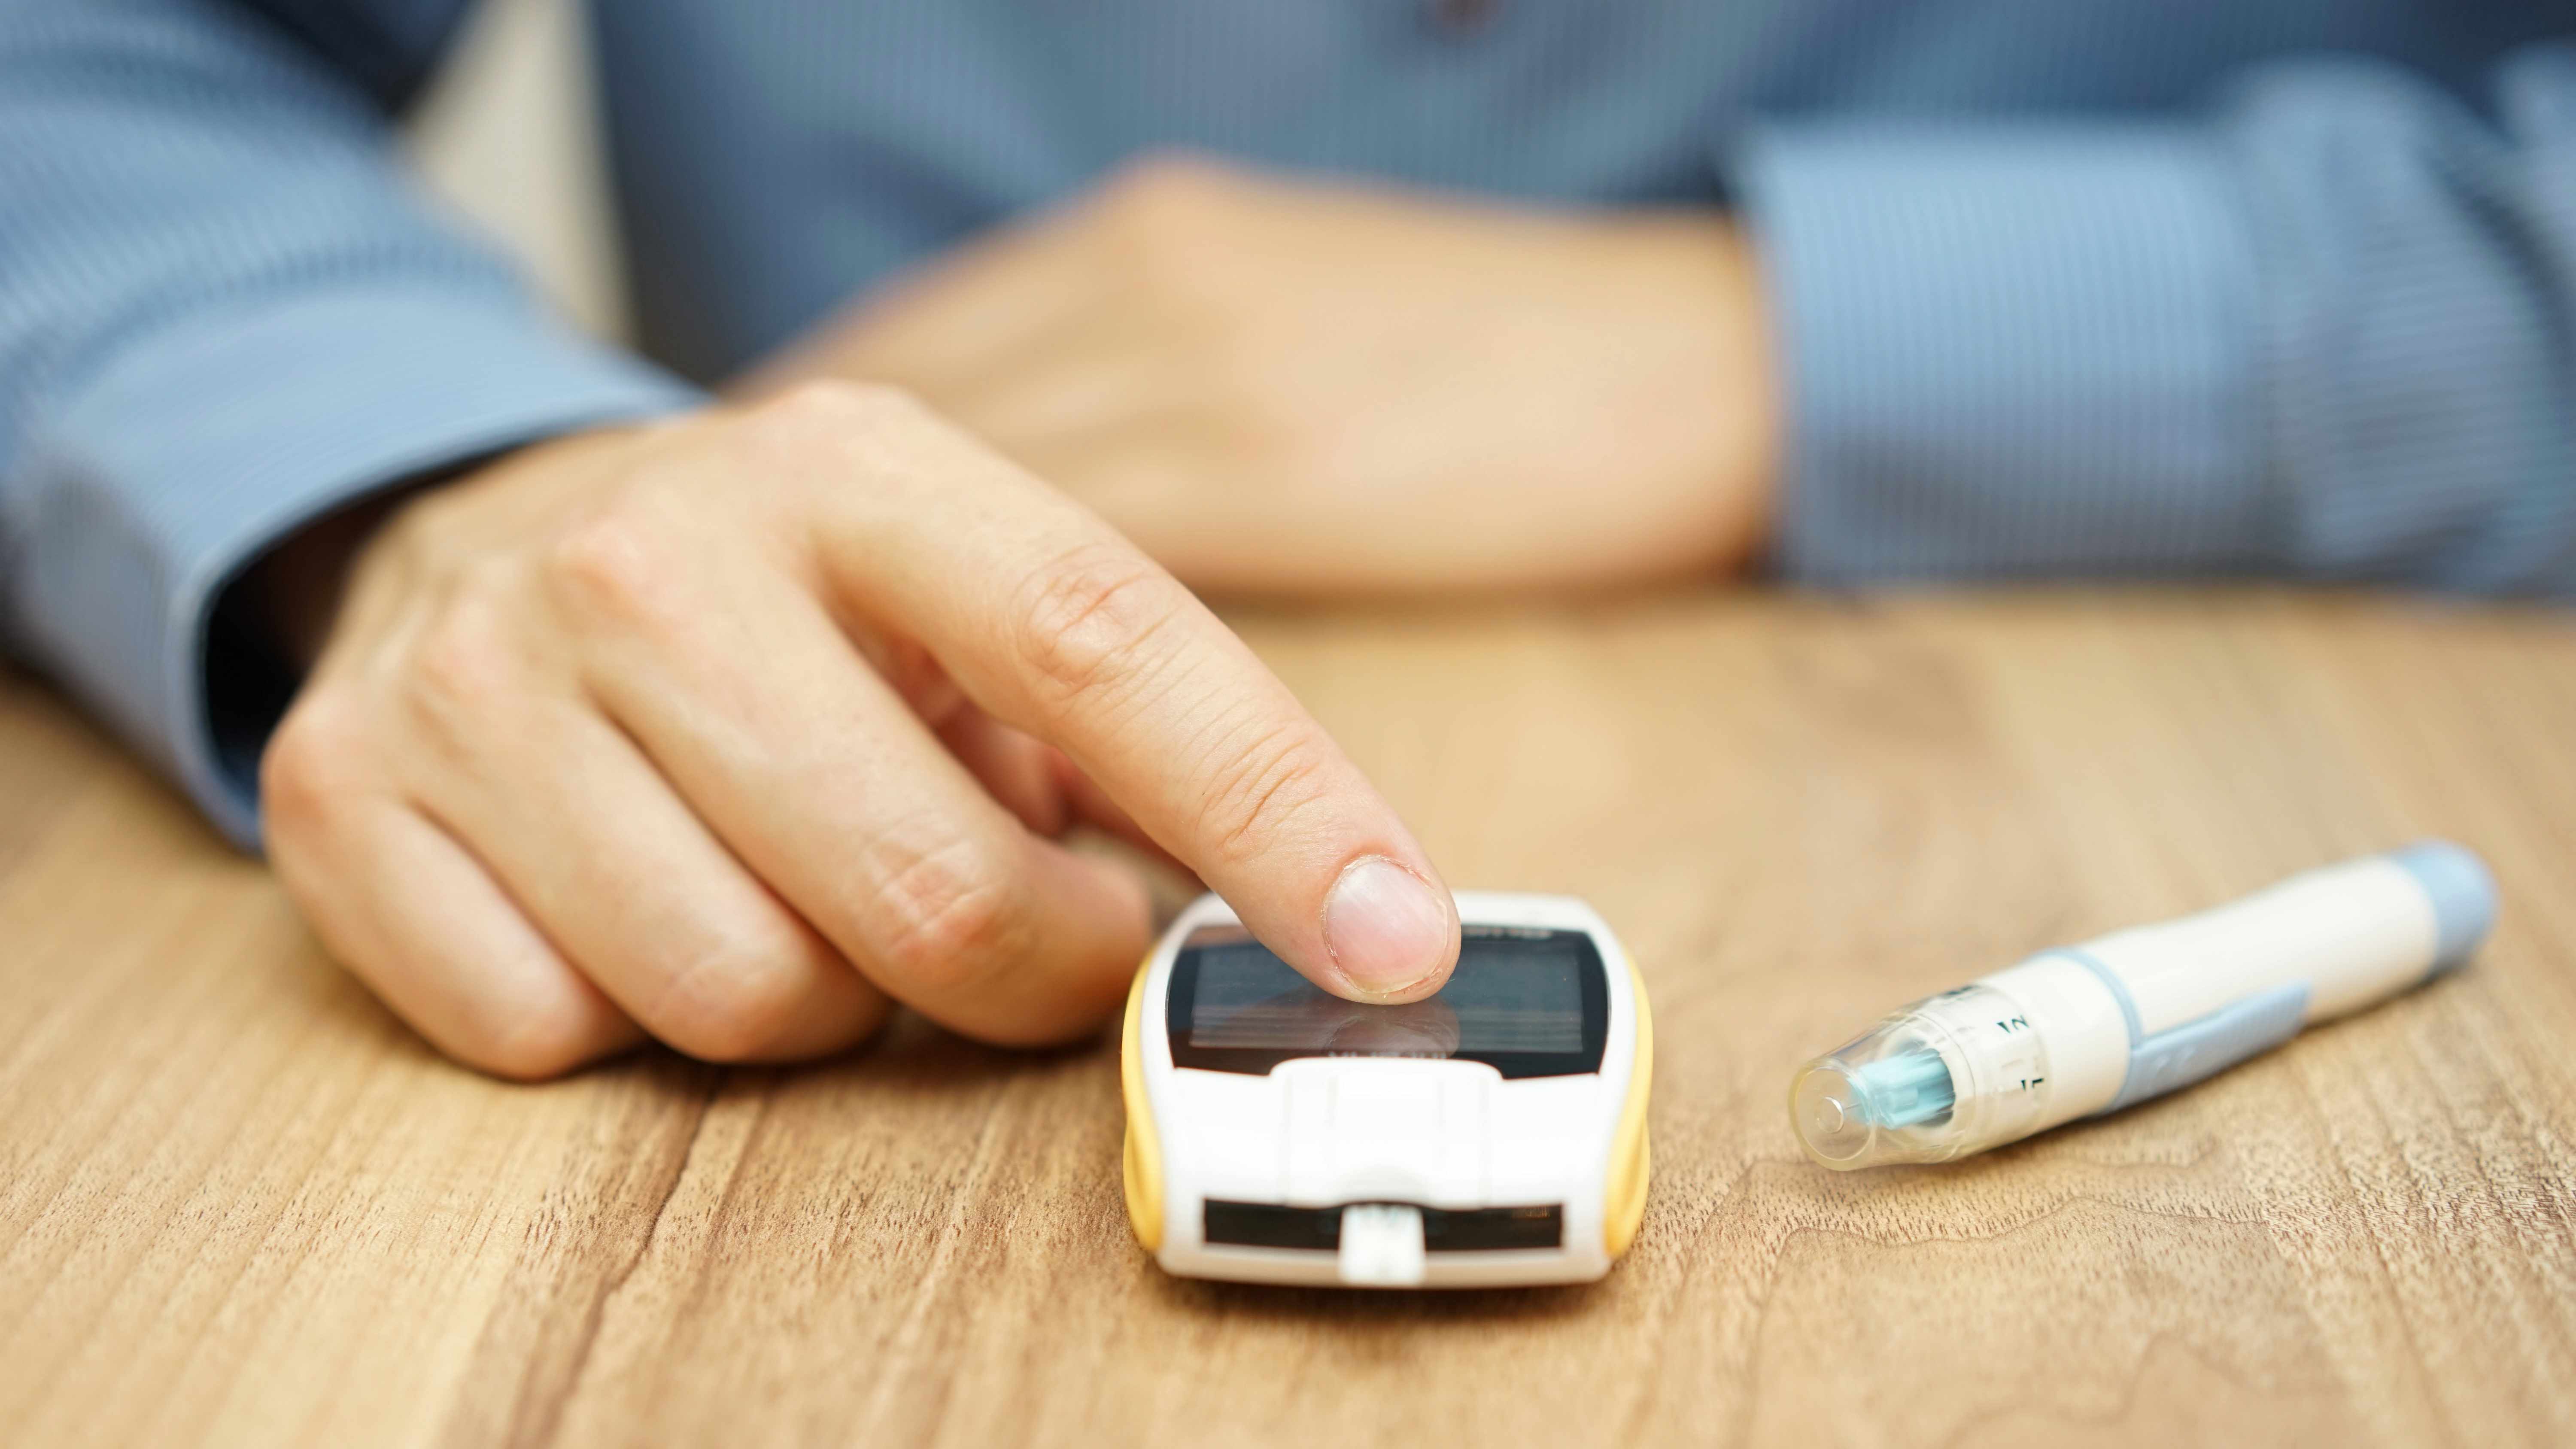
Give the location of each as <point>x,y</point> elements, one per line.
<point>508,135</point>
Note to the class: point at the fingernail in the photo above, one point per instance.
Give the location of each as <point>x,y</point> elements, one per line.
<point>1386,928</point>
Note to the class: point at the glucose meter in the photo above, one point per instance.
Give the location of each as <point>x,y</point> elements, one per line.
<point>1492,1133</point>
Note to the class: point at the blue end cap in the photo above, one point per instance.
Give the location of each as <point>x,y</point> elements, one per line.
<point>2463,895</point>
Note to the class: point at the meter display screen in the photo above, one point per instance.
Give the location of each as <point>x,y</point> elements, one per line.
<point>1527,1002</point>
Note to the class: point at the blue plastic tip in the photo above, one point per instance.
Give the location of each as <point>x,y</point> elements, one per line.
<point>2463,895</point>
<point>1902,1090</point>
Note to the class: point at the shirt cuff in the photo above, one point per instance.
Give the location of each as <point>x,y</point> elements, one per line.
<point>2010,351</point>
<point>153,482</point>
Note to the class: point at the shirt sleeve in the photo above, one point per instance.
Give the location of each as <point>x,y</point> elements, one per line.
<point>222,314</point>
<point>2322,332</point>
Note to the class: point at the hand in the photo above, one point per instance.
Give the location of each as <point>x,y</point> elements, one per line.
<point>1288,387</point>
<point>733,730</point>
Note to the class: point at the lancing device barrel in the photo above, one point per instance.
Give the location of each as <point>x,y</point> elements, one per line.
<point>2084,1030</point>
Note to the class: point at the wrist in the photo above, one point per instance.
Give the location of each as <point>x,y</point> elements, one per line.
<point>291,596</point>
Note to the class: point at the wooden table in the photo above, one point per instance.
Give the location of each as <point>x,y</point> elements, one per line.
<point>240,1203</point>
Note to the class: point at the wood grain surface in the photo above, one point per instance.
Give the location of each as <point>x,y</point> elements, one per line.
<point>240,1204</point>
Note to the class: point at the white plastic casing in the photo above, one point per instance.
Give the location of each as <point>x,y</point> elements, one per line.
<point>2138,1013</point>
<point>2351,934</point>
<point>1330,1131</point>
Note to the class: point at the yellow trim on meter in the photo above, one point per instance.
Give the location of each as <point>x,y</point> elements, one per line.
<point>1623,1205</point>
<point>1144,1152</point>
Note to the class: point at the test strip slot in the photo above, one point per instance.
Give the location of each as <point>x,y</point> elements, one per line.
<point>1444,1230</point>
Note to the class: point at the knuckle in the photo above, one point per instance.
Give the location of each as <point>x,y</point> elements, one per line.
<point>948,920</point>
<point>816,438</point>
<point>1086,625</point>
<point>1260,783</point>
<point>311,763</point>
<point>463,665</point>
<point>831,405</point>
<point>736,1000</point>
<point>617,566</point>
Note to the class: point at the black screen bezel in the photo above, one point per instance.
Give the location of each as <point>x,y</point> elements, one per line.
<point>1592,978</point>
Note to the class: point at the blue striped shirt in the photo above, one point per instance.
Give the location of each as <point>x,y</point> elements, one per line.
<point>2064,287</point>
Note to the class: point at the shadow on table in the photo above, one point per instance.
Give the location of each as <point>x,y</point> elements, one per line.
<point>1362,1308</point>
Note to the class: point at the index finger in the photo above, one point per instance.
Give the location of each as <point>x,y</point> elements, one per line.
<point>1052,622</point>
